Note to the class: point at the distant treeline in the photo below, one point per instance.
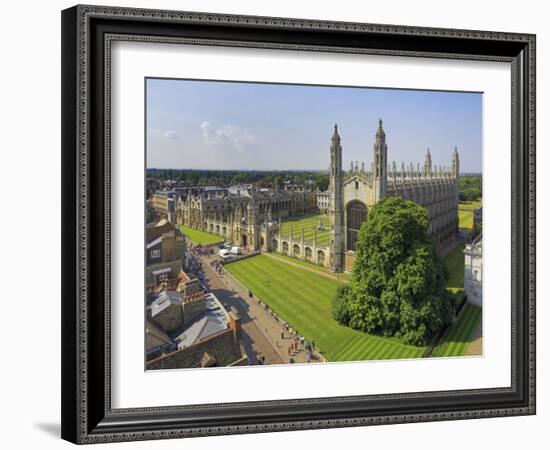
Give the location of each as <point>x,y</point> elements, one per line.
<point>470,187</point>
<point>224,178</point>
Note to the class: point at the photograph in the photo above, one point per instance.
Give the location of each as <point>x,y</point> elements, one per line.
<point>308,224</point>
<point>277,222</point>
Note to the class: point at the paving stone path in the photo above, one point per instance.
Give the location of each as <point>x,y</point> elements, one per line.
<point>263,332</point>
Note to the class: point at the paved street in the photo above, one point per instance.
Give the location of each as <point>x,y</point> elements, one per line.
<point>254,341</point>
<point>263,333</point>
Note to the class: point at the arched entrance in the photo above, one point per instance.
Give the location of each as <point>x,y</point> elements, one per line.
<point>244,240</point>
<point>356,214</point>
<point>320,257</point>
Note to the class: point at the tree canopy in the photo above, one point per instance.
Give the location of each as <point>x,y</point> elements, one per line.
<point>269,179</point>
<point>470,187</point>
<point>398,286</point>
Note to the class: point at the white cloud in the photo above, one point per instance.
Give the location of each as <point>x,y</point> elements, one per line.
<point>226,136</point>
<point>171,134</point>
<point>168,134</point>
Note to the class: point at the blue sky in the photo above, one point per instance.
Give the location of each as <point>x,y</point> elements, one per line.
<point>222,125</point>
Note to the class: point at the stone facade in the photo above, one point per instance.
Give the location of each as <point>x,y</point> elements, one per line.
<point>247,217</point>
<point>478,221</point>
<point>167,311</point>
<point>473,271</point>
<point>323,202</point>
<point>252,217</point>
<point>165,252</point>
<point>357,190</point>
<point>165,243</point>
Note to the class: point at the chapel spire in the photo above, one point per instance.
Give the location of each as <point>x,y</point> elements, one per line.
<point>428,164</point>
<point>455,164</point>
<point>336,181</point>
<point>379,163</point>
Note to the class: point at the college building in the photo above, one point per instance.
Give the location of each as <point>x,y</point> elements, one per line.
<point>252,218</point>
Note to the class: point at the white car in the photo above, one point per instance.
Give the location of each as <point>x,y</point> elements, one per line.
<point>236,250</point>
<point>224,254</point>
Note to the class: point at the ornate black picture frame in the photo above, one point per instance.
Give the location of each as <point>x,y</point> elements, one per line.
<point>87,34</point>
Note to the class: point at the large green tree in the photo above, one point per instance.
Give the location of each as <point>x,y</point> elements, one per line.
<point>398,286</point>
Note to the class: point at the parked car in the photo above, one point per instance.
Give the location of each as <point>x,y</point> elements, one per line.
<point>236,250</point>
<point>224,254</point>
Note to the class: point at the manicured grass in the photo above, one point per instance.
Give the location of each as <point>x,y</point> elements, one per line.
<point>308,224</point>
<point>466,214</point>
<point>302,298</point>
<point>459,337</point>
<point>201,237</point>
<point>454,260</point>
<point>474,204</point>
<point>309,265</point>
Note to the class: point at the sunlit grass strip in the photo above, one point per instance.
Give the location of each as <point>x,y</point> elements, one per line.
<point>309,265</point>
<point>201,237</point>
<point>459,337</point>
<point>454,261</point>
<point>466,214</point>
<point>308,224</point>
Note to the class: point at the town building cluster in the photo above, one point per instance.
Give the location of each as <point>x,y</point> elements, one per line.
<point>186,326</point>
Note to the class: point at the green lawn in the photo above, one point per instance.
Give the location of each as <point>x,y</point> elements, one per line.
<point>454,260</point>
<point>459,337</point>
<point>466,214</point>
<point>201,237</point>
<point>309,265</point>
<point>308,224</point>
<point>303,298</point>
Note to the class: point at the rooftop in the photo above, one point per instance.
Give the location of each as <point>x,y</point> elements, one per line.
<point>210,322</point>
<point>164,300</point>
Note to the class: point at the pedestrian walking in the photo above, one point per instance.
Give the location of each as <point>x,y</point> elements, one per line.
<point>282,333</point>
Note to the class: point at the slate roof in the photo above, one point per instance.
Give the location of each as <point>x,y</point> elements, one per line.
<point>223,348</point>
<point>207,324</point>
<point>164,300</point>
<point>154,242</point>
<point>155,336</point>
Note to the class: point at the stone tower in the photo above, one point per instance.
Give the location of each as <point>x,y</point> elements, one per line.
<point>380,164</point>
<point>455,173</point>
<point>455,164</point>
<point>253,242</point>
<point>428,164</point>
<point>336,203</point>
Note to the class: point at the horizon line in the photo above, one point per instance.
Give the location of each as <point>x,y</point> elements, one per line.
<point>268,170</point>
